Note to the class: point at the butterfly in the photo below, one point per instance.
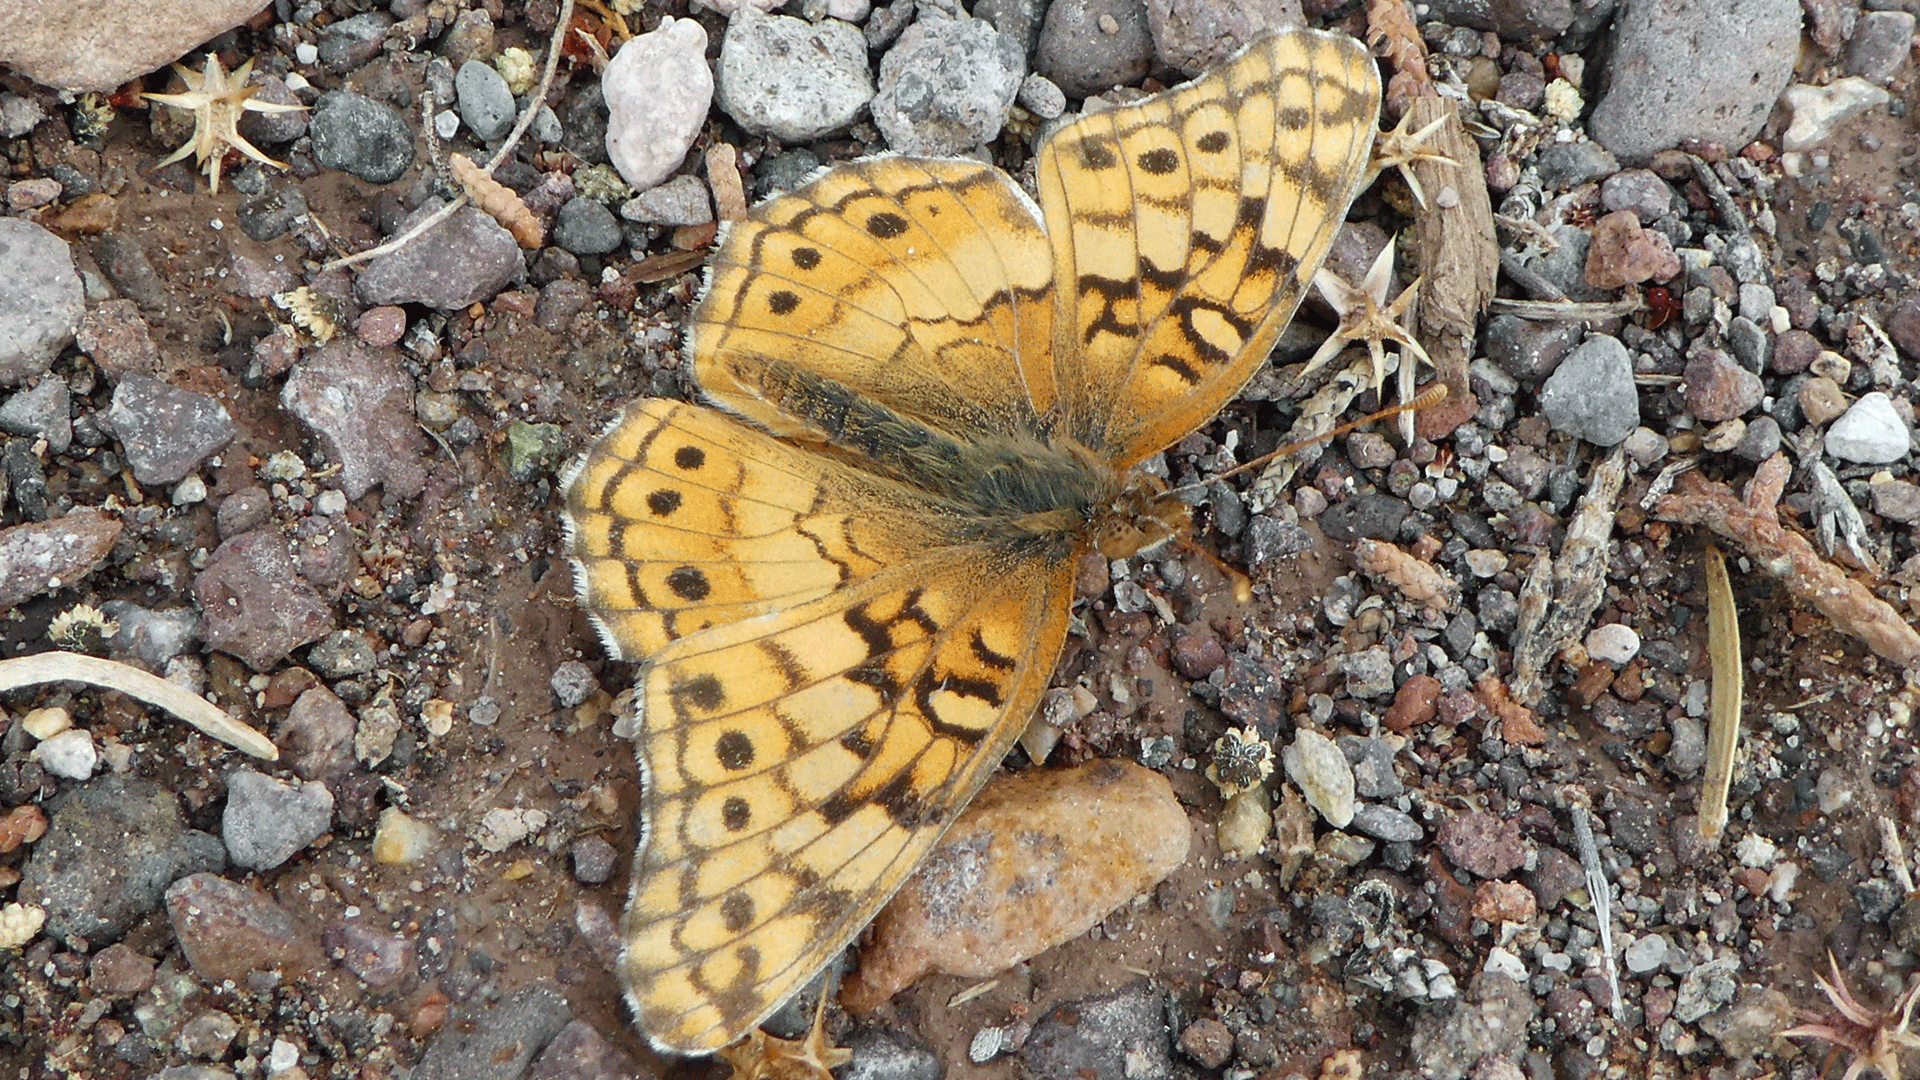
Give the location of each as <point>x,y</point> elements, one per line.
<point>847,573</point>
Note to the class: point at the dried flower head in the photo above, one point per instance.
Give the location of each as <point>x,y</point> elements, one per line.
<point>82,628</point>
<point>1875,1038</point>
<point>216,101</point>
<point>1241,760</point>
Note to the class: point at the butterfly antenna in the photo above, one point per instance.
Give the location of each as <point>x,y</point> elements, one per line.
<point>1428,398</point>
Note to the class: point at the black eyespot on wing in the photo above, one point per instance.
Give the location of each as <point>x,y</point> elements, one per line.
<point>663,502</point>
<point>736,912</point>
<point>689,457</point>
<point>1158,162</point>
<point>702,692</point>
<point>688,583</point>
<point>806,258</point>
<point>736,814</point>
<point>782,302</point>
<point>734,751</point>
<point>886,225</point>
<point>1097,156</point>
<point>1214,141</point>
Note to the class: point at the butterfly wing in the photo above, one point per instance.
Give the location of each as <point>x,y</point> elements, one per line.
<point>920,284</point>
<point>818,701</point>
<point>1186,228</point>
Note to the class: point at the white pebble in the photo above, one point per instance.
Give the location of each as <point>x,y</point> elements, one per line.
<point>658,88</point>
<point>69,755</point>
<point>331,503</point>
<point>1646,954</point>
<point>190,491</point>
<point>306,52</point>
<point>1613,643</point>
<point>1870,433</point>
<point>1323,775</point>
<point>401,839</point>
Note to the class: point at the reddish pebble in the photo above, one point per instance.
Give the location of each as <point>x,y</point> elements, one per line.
<point>1198,655</point>
<point>1623,253</point>
<point>1718,388</point>
<point>382,326</point>
<point>1503,901</point>
<point>1415,703</point>
<point>518,302</point>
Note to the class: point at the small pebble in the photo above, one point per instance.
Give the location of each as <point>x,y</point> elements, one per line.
<point>401,839</point>
<point>69,755</point>
<point>1321,771</point>
<point>1870,433</point>
<point>1613,643</point>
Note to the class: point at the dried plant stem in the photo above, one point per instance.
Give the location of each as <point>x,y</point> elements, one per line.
<point>1602,893</point>
<point>1723,729</point>
<point>534,103</point>
<point>1753,524</point>
<point>78,667</point>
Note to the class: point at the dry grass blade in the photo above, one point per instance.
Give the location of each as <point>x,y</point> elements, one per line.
<point>78,667</point>
<point>1728,693</point>
<point>1753,524</point>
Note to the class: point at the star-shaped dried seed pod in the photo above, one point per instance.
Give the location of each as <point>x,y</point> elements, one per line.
<point>1366,316</point>
<point>216,100</point>
<point>1400,148</point>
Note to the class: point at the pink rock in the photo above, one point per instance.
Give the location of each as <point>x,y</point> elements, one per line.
<point>229,931</point>
<point>93,45</point>
<point>1036,860</point>
<point>1718,388</point>
<point>382,326</point>
<point>658,89</point>
<point>42,556</point>
<point>1623,253</point>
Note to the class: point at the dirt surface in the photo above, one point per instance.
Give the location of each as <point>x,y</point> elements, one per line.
<point>1299,959</point>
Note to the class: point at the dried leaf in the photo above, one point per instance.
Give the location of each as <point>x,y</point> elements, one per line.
<point>1459,258</point>
<point>1723,726</point>
<point>1550,620</point>
<point>1418,580</point>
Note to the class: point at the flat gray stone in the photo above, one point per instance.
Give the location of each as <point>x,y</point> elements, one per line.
<point>267,821</point>
<point>165,431</point>
<point>1591,394</point>
<point>358,402</point>
<point>794,80</point>
<point>466,259</point>
<point>41,299</point>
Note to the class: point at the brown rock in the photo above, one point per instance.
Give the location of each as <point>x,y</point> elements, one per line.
<point>228,930</point>
<point>1793,352</point>
<point>1718,388</point>
<point>1415,703</point>
<point>1036,860</point>
<point>256,607</point>
<point>1623,253</point>
<point>42,556</point>
<point>116,336</point>
<point>358,402</point>
<point>1483,844</point>
<point>1208,1042</point>
<point>1503,901</point>
<point>118,969</point>
<point>1821,399</point>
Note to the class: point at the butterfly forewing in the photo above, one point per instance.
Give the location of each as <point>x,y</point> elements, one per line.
<point>1186,228</point>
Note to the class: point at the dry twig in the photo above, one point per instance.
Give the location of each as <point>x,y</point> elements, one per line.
<point>49,667</point>
<point>1553,614</point>
<point>500,202</point>
<point>1753,525</point>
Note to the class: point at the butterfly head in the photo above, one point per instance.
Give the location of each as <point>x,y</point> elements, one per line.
<point>1142,518</point>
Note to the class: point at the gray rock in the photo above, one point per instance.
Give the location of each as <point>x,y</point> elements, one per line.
<point>498,1040</point>
<point>271,128</point>
<point>19,115</point>
<point>1880,44</point>
<point>1591,395</point>
<point>682,200</point>
<point>1197,35</point>
<point>353,41</point>
<point>791,79</point>
<point>466,259</point>
<point>1694,71</point>
<point>572,683</point>
<point>1761,441</point>
<point>1471,1035</point>
<point>256,606</point>
<point>1373,773</point>
<point>1870,432</point>
<point>946,86</point>
<point>1513,20</point>
<point>267,821</point>
<point>1122,1035</point>
<point>358,402</point>
<point>1018,19</point>
<point>1749,343</point>
<point>166,432</point>
<point>40,412</point>
<point>112,847</point>
<point>586,227</point>
<point>41,299</point>
<point>316,739</point>
<point>1385,823</point>
<point>1040,97</point>
<point>358,135</point>
<point>343,654</point>
<point>1706,988</point>
<point>1566,165</point>
<point>151,637</point>
<point>1082,56</point>
<point>1529,350</point>
<point>890,1053</point>
<point>579,1052</point>
<point>1565,267</point>
<point>1639,190</point>
<point>593,860</point>
<point>117,338</point>
<point>125,263</point>
<point>486,104</point>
